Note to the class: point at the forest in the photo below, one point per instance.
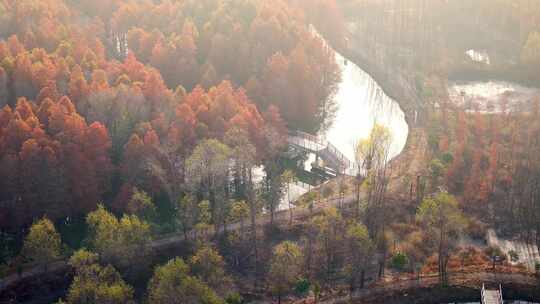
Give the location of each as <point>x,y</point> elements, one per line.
<point>145,149</point>
<point>90,120</point>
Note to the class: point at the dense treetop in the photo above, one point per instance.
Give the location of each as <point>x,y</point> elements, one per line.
<point>101,96</point>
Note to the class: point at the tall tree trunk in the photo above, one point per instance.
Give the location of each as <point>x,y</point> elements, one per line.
<point>242,229</point>
<point>253,213</point>
<point>441,257</point>
<point>309,254</point>
<point>357,211</point>
<point>184,228</point>
<point>272,214</point>
<point>328,260</point>
<point>290,206</point>
<point>269,189</point>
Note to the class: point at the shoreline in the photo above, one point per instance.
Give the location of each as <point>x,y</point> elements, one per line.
<point>394,84</point>
<point>466,286</point>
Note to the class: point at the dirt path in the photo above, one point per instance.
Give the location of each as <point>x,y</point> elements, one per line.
<point>410,164</point>
<point>389,292</point>
<point>164,242</point>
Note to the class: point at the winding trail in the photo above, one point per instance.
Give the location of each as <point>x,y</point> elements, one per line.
<point>410,160</point>
<point>281,217</point>
<point>167,241</point>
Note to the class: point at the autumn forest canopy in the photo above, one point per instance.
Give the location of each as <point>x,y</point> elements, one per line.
<point>85,119</point>
<point>192,151</point>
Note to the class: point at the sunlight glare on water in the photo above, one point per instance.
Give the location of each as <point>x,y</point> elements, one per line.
<point>361,103</point>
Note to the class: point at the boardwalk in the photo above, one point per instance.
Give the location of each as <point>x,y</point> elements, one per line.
<point>492,296</point>
<point>331,156</point>
<point>307,142</point>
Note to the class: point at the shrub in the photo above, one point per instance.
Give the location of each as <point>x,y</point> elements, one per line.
<point>468,255</point>
<point>327,191</point>
<point>447,158</point>
<point>399,261</point>
<point>234,298</point>
<point>3,270</point>
<point>433,141</point>
<point>476,229</point>
<point>437,168</point>
<point>302,286</point>
<point>514,256</point>
<point>496,255</point>
<point>494,251</point>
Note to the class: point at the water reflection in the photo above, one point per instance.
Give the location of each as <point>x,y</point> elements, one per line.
<point>361,104</point>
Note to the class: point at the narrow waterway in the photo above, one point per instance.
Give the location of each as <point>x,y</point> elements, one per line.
<point>360,103</point>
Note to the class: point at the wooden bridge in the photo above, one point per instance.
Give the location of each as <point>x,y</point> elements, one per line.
<point>331,156</point>
<point>492,296</point>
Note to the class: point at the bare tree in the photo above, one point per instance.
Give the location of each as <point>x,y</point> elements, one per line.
<point>208,171</point>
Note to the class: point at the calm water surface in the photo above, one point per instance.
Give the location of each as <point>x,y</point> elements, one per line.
<point>360,104</point>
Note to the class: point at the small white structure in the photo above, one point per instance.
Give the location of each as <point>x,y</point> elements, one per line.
<point>479,56</point>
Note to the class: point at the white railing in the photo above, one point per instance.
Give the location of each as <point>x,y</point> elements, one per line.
<point>482,293</point>
<point>499,299</point>
<point>319,145</point>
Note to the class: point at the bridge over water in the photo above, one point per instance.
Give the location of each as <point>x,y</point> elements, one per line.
<point>492,296</point>
<point>322,148</point>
